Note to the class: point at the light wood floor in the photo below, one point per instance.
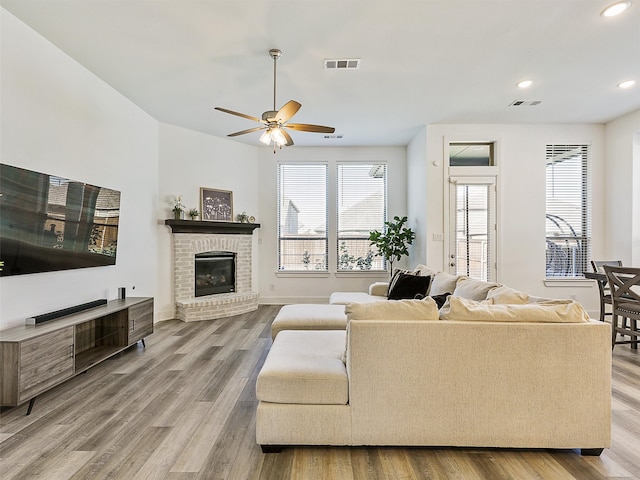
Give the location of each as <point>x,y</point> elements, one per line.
<point>184,409</point>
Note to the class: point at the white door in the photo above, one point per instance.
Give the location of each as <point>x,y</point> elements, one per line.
<point>472,227</point>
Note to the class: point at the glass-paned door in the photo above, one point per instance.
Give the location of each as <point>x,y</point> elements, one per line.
<point>472,236</point>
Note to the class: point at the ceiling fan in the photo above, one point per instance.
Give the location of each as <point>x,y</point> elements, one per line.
<point>275,122</point>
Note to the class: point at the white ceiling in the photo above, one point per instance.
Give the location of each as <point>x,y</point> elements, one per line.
<point>422,62</point>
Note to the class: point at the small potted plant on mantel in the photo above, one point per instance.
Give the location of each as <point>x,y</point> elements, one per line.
<point>178,208</point>
<point>193,213</point>
<point>393,242</point>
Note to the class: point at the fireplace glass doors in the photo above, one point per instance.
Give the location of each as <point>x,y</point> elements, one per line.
<point>215,273</point>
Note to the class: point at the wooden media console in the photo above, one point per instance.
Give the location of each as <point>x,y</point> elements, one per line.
<point>36,358</point>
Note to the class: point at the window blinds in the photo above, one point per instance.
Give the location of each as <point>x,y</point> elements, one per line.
<point>568,210</point>
<point>302,217</point>
<point>361,208</point>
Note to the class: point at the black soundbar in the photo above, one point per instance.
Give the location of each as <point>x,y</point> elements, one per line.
<point>45,317</point>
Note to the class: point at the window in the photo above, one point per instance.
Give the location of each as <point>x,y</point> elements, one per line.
<point>568,229</point>
<point>302,214</point>
<point>465,154</point>
<point>361,208</point>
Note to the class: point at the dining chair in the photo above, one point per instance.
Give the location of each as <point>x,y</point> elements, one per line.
<point>603,287</point>
<point>624,283</point>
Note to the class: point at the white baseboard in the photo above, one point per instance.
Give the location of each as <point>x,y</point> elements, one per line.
<point>291,300</point>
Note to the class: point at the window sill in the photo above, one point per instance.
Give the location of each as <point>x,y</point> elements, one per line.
<point>379,274</point>
<point>362,273</point>
<point>568,282</point>
<point>302,273</point>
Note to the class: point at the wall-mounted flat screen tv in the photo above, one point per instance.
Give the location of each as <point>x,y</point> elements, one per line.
<point>50,223</point>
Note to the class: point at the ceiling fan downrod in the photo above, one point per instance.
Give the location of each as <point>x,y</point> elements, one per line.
<point>275,54</point>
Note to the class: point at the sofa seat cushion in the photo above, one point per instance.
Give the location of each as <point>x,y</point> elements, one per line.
<point>309,317</point>
<point>342,298</point>
<point>305,367</point>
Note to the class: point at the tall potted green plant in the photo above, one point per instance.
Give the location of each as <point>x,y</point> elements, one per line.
<point>392,244</point>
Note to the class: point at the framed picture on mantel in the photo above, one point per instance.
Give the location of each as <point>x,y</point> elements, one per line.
<point>216,205</point>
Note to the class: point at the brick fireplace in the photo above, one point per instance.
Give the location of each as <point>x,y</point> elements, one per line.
<point>193,237</point>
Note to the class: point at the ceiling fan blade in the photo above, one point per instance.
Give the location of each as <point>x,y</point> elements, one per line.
<point>239,114</point>
<point>287,111</point>
<point>242,132</point>
<point>288,137</point>
<point>305,127</point>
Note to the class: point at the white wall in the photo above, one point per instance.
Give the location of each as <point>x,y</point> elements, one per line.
<point>59,118</point>
<point>622,180</point>
<point>521,192</point>
<point>417,196</point>
<point>190,160</point>
<point>310,286</point>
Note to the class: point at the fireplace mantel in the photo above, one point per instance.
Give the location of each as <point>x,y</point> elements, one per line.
<point>198,226</point>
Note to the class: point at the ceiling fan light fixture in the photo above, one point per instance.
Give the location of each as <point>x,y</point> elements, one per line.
<point>275,135</point>
<point>278,137</point>
<point>266,137</point>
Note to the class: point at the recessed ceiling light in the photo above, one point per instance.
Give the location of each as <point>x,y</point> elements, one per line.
<point>524,83</point>
<point>615,9</point>
<point>627,84</point>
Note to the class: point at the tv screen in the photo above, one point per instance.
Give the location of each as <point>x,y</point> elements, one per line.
<point>50,223</point>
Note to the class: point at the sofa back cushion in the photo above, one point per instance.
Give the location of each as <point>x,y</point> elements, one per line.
<point>425,309</point>
<point>443,282</point>
<point>473,289</point>
<point>551,311</point>
<point>505,294</point>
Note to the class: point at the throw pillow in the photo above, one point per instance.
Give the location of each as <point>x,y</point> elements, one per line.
<point>394,277</point>
<point>408,286</point>
<point>473,289</point>
<point>440,299</point>
<point>393,310</point>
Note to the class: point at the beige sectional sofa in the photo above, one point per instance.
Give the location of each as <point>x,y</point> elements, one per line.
<point>476,373</point>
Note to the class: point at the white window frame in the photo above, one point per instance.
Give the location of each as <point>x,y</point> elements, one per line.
<point>582,254</point>
<point>331,225</point>
<point>470,174</point>
<point>376,260</point>
<point>312,268</point>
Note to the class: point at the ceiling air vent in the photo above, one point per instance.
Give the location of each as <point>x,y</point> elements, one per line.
<point>342,64</point>
<point>333,137</point>
<point>525,103</point>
